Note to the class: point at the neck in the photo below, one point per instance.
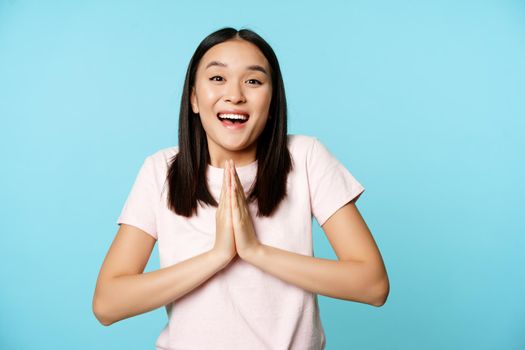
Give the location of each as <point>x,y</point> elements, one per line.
<point>240,158</point>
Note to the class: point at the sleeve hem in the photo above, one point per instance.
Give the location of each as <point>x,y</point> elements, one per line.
<point>321,219</point>
<point>132,222</point>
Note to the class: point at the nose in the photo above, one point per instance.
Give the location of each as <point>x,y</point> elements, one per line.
<point>234,94</point>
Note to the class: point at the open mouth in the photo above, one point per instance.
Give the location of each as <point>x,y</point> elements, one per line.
<point>233,118</point>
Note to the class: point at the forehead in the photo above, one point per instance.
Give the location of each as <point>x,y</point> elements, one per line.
<point>236,54</point>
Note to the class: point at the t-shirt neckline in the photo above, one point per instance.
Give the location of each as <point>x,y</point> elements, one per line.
<point>246,173</point>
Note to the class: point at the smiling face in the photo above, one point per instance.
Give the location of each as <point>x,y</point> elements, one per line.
<point>232,95</point>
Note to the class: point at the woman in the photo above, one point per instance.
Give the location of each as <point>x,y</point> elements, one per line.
<point>231,208</point>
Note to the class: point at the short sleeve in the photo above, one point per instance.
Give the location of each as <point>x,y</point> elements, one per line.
<point>140,206</point>
<point>331,184</point>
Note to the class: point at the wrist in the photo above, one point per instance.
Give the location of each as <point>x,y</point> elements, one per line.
<point>253,254</point>
<point>220,258</point>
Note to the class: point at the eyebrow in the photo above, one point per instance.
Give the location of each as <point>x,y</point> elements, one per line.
<point>254,67</point>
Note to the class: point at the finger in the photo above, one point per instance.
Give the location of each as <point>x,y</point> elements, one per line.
<point>233,191</point>
<point>233,181</point>
<point>239,204</point>
<point>235,176</point>
<point>234,173</point>
<point>241,199</point>
<point>225,184</point>
<point>227,180</point>
<point>239,184</point>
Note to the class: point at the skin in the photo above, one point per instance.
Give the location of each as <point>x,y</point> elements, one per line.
<point>123,289</point>
<point>358,275</point>
<point>233,86</point>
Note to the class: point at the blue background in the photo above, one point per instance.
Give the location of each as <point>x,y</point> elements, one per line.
<point>423,101</point>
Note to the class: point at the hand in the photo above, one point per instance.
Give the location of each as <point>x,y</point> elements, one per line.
<point>245,239</point>
<point>224,237</point>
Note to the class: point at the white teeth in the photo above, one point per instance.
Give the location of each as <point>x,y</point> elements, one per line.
<point>233,116</point>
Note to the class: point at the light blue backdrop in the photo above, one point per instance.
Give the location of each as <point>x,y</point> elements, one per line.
<point>423,101</point>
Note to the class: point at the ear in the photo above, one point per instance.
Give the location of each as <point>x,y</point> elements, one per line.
<point>193,101</point>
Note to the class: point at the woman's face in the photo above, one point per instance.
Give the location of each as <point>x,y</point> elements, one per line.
<point>232,95</point>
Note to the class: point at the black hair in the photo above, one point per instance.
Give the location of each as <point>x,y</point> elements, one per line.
<point>187,172</point>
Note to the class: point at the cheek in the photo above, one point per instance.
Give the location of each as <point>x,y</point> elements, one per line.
<point>207,96</point>
<point>262,121</point>
<point>263,100</point>
<point>211,95</point>
<point>268,97</point>
<point>267,106</point>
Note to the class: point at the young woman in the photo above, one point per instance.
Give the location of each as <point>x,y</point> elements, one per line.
<point>231,208</point>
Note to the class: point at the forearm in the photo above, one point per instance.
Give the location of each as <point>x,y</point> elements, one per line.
<point>348,280</point>
<point>121,297</point>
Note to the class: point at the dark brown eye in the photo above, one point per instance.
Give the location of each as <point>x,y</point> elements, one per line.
<point>257,82</point>
<point>216,76</point>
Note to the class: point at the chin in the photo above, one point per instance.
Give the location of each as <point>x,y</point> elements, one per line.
<point>235,147</point>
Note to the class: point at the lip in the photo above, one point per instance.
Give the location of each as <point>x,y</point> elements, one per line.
<point>236,126</point>
<point>234,111</point>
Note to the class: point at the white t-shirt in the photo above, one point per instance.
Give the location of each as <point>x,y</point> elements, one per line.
<point>243,307</point>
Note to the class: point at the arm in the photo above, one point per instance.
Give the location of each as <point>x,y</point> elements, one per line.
<point>123,290</point>
<point>359,274</point>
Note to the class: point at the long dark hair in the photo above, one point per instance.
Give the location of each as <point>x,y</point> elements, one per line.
<point>187,172</point>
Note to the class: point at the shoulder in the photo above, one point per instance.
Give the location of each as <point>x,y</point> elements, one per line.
<point>156,164</point>
<point>306,148</point>
<point>311,151</point>
<point>162,157</point>
<point>301,144</point>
